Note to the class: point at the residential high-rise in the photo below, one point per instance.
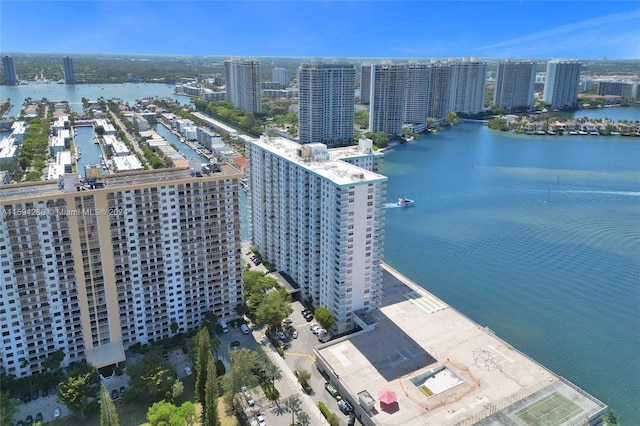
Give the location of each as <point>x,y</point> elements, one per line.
<point>468,85</point>
<point>10,76</point>
<point>561,85</point>
<point>440,91</point>
<point>93,267</point>
<point>515,81</point>
<point>387,98</point>
<point>326,103</point>
<point>321,221</point>
<point>615,88</point>
<point>417,93</point>
<point>69,75</point>
<point>365,84</point>
<point>281,76</point>
<point>243,84</point>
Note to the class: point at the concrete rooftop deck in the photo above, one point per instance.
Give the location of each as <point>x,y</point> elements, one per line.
<point>417,333</point>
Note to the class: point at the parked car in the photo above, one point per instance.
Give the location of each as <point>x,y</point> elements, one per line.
<point>235,343</point>
<point>26,398</point>
<point>39,418</point>
<point>260,419</point>
<point>249,399</point>
<point>187,371</point>
<point>19,423</point>
<point>114,394</point>
<point>281,335</point>
<point>287,321</point>
<point>56,412</point>
<point>345,407</point>
<point>35,395</point>
<point>122,390</point>
<point>29,420</point>
<point>313,327</point>
<point>44,393</point>
<point>333,391</point>
<point>294,334</point>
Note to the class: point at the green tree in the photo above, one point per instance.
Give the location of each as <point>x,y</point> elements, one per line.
<point>210,405</point>
<point>202,354</point>
<point>304,375</point>
<point>274,308</point>
<point>303,419</point>
<point>166,414</point>
<point>81,384</point>
<point>362,118</point>
<point>177,389</point>
<point>8,408</point>
<point>54,360</point>
<point>152,375</point>
<point>611,418</point>
<point>452,118</point>
<point>242,364</point>
<point>324,318</point>
<point>273,372</point>
<point>108,413</point>
<point>293,405</point>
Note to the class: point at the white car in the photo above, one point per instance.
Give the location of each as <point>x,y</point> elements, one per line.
<point>294,334</point>
<point>56,412</point>
<point>281,335</point>
<point>187,371</point>
<point>260,420</point>
<point>313,327</point>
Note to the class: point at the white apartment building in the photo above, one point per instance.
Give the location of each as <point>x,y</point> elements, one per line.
<point>467,86</point>
<point>515,82</point>
<point>93,267</point>
<point>562,81</point>
<point>440,90</point>
<point>387,98</point>
<point>280,75</point>
<point>321,221</point>
<point>326,103</point>
<point>417,93</point>
<point>243,84</point>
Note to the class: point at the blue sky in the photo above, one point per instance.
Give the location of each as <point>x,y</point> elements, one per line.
<point>393,29</point>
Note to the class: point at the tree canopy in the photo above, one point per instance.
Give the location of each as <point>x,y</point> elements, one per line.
<point>164,413</point>
<point>152,375</point>
<point>324,318</point>
<point>81,384</point>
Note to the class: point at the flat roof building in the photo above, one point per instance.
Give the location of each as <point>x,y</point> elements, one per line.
<point>243,84</point>
<point>515,82</point>
<point>95,266</point>
<point>561,85</point>
<point>321,221</point>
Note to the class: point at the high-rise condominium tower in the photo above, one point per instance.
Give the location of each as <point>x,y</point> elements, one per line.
<point>321,221</point>
<point>10,76</point>
<point>69,75</point>
<point>514,86</point>
<point>561,85</point>
<point>468,84</point>
<point>92,268</point>
<point>326,102</point>
<point>243,84</point>
<point>440,92</point>
<point>281,76</point>
<point>365,84</point>
<point>387,98</point>
<point>417,93</point>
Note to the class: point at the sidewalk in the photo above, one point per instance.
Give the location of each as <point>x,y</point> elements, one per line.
<point>289,385</point>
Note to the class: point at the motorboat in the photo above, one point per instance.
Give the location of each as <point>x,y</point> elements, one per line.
<point>405,202</point>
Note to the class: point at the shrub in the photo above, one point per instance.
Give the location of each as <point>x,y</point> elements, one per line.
<point>324,410</point>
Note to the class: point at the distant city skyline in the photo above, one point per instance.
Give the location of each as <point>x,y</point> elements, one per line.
<point>412,29</point>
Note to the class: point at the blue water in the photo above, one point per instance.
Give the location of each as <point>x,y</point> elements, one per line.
<point>128,92</point>
<point>91,152</point>
<point>537,238</point>
<point>183,148</point>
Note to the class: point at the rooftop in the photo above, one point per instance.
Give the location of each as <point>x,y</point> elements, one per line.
<point>321,161</point>
<point>444,368</point>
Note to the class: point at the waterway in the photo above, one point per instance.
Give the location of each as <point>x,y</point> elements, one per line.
<point>536,237</point>
<point>127,92</point>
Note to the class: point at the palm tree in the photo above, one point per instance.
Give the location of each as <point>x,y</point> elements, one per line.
<point>293,404</point>
<point>273,372</point>
<point>303,419</point>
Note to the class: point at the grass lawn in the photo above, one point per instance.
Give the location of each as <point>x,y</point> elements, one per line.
<point>227,418</point>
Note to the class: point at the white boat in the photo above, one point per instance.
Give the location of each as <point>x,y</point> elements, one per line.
<point>405,202</point>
